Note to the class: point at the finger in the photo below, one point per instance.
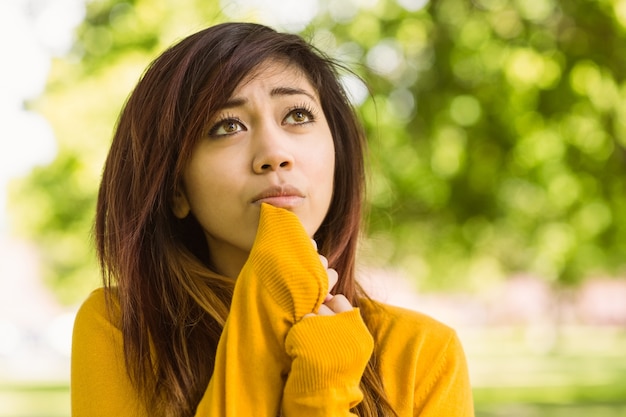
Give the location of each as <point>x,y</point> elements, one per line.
<point>325,311</point>
<point>333,277</point>
<point>338,304</point>
<point>314,243</point>
<point>324,261</point>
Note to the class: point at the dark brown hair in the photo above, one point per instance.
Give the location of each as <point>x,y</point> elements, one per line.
<point>172,305</point>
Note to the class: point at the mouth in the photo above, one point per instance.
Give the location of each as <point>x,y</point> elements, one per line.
<point>285,196</point>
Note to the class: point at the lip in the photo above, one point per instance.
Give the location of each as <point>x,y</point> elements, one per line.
<point>285,196</point>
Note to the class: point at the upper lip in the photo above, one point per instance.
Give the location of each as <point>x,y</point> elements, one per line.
<point>278,191</point>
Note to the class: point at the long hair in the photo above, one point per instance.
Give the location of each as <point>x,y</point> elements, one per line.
<point>172,305</point>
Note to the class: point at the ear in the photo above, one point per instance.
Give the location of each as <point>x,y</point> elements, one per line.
<point>180,204</point>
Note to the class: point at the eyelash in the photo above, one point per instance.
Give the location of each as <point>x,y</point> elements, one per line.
<point>303,107</point>
<point>222,121</point>
<point>306,108</point>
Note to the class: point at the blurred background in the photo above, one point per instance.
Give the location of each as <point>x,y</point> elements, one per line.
<point>497,187</point>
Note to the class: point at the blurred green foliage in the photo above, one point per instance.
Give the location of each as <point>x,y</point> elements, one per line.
<point>497,132</point>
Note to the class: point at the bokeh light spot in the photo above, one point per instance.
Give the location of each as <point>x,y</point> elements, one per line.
<point>465,110</point>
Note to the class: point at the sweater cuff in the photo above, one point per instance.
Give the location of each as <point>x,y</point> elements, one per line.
<point>328,351</point>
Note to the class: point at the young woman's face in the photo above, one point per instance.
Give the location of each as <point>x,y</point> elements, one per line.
<point>270,143</point>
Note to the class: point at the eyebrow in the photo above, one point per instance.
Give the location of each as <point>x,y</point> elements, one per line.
<point>275,92</point>
<point>289,91</point>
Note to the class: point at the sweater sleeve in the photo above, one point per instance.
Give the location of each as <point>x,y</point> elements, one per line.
<point>329,356</point>
<point>282,281</point>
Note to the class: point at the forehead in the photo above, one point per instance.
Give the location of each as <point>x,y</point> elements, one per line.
<point>275,72</point>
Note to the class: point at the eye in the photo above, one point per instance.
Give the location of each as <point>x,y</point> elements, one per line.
<point>227,127</point>
<point>299,115</point>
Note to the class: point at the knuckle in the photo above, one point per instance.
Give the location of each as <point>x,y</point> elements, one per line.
<point>339,303</point>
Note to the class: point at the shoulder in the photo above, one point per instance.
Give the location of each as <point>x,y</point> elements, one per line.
<point>99,308</point>
<point>410,337</point>
<point>420,359</point>
<point>388,321</point>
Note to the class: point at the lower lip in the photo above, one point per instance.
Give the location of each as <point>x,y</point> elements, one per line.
<point>287,202</point>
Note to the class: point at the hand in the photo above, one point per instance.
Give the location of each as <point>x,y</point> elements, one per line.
<point>333,304</point>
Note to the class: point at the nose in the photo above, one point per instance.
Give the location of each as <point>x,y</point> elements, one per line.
<point>272,153</point>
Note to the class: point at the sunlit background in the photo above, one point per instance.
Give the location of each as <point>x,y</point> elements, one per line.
<point>497,134</point>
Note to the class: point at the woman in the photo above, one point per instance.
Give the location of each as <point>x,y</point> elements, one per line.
<point>235,149</point>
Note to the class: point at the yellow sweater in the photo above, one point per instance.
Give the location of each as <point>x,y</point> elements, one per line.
<point>270,360</point>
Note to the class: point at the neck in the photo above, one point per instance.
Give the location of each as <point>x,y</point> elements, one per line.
<point>228,260</point>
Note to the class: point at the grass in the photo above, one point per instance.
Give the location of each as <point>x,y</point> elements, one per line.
<point>567,372</point>
<point>35,400</point>
<point>551,410</point>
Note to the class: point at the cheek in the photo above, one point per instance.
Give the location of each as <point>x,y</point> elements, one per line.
<point>330,166</point>
<point>325,176</point>
<point>324,154</point>
<point>202,183</point>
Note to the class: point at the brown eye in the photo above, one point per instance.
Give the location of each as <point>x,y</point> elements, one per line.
<point>298,116</point>
<point>230,126</point>
<point>226,127</point>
